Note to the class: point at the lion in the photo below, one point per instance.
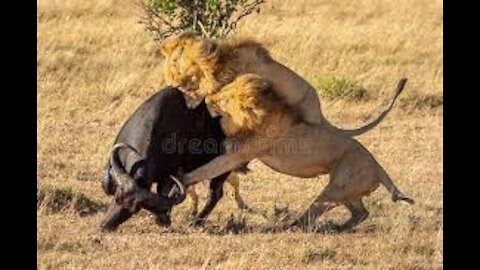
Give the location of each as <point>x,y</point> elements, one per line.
<point>258,123</point>
<point>200,67</point>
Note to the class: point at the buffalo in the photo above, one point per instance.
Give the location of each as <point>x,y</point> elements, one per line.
<point>161,138</point>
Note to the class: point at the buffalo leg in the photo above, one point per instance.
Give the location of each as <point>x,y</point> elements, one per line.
<point>193,195</point>
<point>215,194</point>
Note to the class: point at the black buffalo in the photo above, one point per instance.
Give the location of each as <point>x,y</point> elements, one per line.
<point>162,138</point>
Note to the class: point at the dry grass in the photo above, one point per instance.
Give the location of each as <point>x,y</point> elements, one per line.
<point>96,65</point>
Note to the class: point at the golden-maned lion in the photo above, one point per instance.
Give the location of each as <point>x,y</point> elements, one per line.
<point>260,124</point>
<point>199,67</point>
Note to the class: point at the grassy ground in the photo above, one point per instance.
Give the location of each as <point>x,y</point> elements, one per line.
<point>96,65</point>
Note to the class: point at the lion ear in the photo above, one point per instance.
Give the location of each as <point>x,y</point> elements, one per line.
<point>209,48</point>
<point>165,50</point>
<point>169,45</point>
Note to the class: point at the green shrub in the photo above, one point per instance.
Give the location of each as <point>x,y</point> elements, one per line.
<point>209,18</point>
<point>333,88</point>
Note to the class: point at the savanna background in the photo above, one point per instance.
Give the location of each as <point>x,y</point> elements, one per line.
<point>96,64</point>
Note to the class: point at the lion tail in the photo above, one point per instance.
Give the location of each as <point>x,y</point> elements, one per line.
<point>373,123</point>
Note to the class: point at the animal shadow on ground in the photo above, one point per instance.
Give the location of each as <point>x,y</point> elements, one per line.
<point>278,221</point>
<point>322,228</point>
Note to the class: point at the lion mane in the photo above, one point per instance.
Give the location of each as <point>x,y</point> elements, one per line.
<point>201,67</point>
<point>219,63</point>
<point>247,103</point>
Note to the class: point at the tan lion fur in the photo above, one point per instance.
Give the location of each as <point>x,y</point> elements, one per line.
<point>200,67</point>
<point>214,64</point>
<point>257,121</point>
<point>244,104</point>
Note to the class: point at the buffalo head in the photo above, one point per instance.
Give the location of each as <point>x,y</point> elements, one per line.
<point>130,197</point>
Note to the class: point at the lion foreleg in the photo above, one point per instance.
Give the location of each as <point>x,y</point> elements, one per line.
<point>217,167</point>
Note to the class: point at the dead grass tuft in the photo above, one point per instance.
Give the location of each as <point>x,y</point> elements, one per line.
<point>314,255</point>
<point>53,200</point>
<point>421,102</point>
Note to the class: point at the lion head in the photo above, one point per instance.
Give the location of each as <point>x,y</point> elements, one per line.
<point>200,66</point>
<point>190,64</point>
<point>243,104</point>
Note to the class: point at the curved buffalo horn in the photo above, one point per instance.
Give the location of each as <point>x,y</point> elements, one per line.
<point>120,176</point>
<point>183,194</point>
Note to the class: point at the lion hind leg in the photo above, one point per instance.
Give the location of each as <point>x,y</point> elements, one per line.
<point>359,174</point>
<point>323,203</point>
<point>352,178</point>
<point>358,214</point>
<point>397,195</point>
